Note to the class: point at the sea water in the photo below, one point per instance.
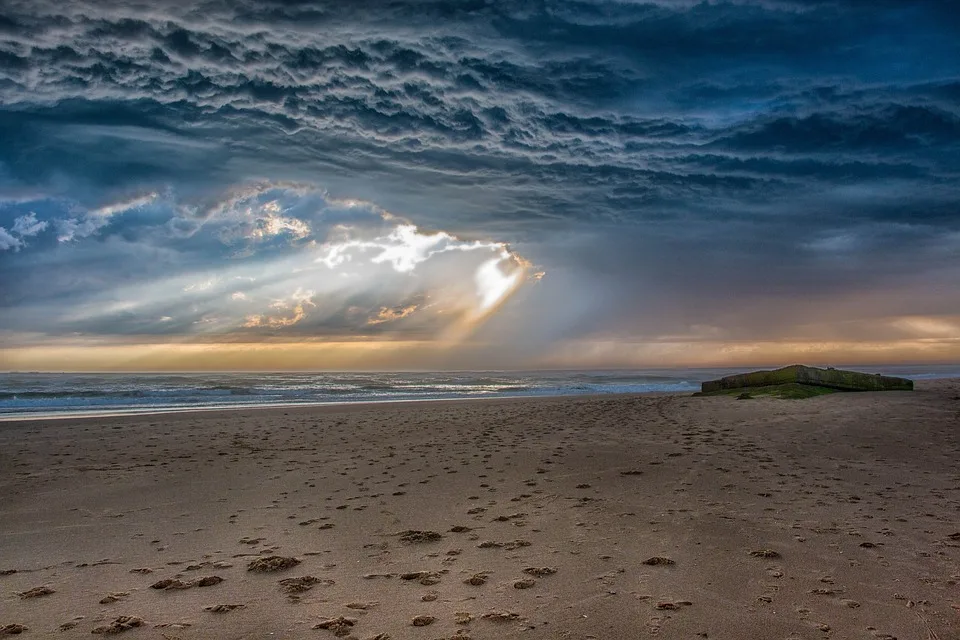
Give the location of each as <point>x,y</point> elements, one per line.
<point>46,394</point>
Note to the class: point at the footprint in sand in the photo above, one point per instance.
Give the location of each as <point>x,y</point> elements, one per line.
<point>114,597</point>
<point>415,536</point>
<point>12,629</point>
<point>119,625</point>
<point>501,616</point>
<point>302,584</point>
<point>173,584</point>
<point>224,608</point>
<point>477,579</point>
<point>272,563</point>
<point>426,578</point>
<point>36,592</point>
<point>340,626</point>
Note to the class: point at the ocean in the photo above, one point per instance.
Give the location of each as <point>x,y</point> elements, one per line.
<point>24,395</point>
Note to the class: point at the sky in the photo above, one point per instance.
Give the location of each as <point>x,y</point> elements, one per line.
<point>482,184</point>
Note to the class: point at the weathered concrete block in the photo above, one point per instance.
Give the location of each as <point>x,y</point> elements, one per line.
<point>830,378</point>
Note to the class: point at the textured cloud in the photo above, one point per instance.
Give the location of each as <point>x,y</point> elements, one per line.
<point>28,225</point>
<point>284,261</point>
<point>577,90</point>
<point>24,226</point>
<point>8,241</point>
<point>92,221</point>
<point>724,168</point>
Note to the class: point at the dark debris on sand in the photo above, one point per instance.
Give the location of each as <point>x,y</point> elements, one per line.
<point>540,572</point>
<point>224,608</point>
<point>340,626</point>
<point>426,578</point>
<point>656,561</point>
<point>301,584</point>
<point>119,625</point>
<point>415,536</point>
<point>509,546</point>
<point>501,616</point>
<point>272,563</point>
<point>114,597</point>
<point>12,629</point>
<point>172,584</point>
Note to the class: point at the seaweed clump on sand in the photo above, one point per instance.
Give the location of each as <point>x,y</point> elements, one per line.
<point>658,561</point>
<point>119,625</point>
<point>272,563</point>
<point>414,536</point>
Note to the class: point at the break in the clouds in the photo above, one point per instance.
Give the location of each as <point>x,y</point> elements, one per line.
<point>726,173</point>
<point>269,260</point>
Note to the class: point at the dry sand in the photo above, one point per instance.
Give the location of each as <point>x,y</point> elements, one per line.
<point>602,517</point>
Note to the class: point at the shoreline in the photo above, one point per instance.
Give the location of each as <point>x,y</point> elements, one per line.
<point>41,416</point>
<point>121,413</point>
<point>229,409</point>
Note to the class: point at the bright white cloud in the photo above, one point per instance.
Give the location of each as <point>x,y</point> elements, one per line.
<point>274,225</point>
<point>340,268</point>
<point>403,248</point>
<point>69,229</point>
<point>470,286</point>
<point>493,285</point>
<point>28,225</point>
<point>123,206</point>
<point>203,285</point>
<point>24,226</point>
<point>8,241</point>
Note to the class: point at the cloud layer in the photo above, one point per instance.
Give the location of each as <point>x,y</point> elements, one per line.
<point>267,261</point>
<point>724,171</point>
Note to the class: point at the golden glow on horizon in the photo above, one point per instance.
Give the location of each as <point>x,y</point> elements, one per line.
<point>209,356</point>
<point>616,353</point>
<point>432,354</point>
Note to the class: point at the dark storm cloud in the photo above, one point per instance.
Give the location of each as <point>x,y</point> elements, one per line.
<point>822,138</point>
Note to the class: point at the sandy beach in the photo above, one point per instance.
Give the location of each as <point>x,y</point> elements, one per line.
<point>616,517</point>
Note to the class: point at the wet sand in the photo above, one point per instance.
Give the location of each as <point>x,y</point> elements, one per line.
<point>602,517</point>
